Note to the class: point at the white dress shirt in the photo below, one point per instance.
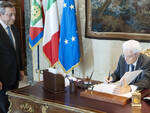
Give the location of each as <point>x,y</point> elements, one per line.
<point>5,27</point>
<point>133,87</point>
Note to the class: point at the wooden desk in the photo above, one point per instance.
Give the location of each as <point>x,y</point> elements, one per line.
<point>34,99</point>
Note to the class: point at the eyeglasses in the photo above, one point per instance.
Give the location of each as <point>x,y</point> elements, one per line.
<point>129,56</point>
<point>10,14</point>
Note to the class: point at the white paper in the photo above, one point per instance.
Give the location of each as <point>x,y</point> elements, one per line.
<point>52,70</point>
<point>130,76</point>
<point>109,88</point>
<point>67,82</point>
<point>104,87</point>
<point>70,78</point>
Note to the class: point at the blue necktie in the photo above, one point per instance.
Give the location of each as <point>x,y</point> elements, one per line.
<point>9,34</point>
<point>132,67</point>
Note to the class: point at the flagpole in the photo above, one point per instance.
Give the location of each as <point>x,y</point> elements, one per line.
<point>73,72</point>
<point>38,61</point>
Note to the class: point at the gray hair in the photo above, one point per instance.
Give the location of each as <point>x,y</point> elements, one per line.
<point>5,4</point>
<point>132,45</point>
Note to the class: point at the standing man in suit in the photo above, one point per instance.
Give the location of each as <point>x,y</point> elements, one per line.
<point>11,67</point>
<point>131,60</point>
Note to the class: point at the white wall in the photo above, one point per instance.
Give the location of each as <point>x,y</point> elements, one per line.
<point>98,55</point>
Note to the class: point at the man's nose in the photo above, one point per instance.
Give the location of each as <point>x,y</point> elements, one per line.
<point>13,17</point>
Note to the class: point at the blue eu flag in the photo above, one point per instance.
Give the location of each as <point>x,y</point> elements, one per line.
<point>69,50</point>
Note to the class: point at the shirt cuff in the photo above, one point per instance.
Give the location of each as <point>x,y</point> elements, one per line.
<point>133,88</point>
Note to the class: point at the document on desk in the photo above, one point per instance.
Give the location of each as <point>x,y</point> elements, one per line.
<point>130,76</point>
<point>109,88</point>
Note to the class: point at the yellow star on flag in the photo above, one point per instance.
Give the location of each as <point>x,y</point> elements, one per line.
<point>66,41</point>
<point>65,5</point>
<point>73,38</point>
<point>72,6</point>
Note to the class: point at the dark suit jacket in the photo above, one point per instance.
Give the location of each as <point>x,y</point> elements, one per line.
<point>10,58</point>
<point>143,80</point>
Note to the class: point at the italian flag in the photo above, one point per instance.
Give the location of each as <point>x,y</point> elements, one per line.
<point>51,32</point>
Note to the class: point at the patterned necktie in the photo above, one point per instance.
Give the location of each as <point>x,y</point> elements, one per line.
<point>9,34</point>
<point>132,67</point>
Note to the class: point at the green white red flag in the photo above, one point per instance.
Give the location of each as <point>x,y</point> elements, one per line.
<point>36,24</point>
<point>51,32</point>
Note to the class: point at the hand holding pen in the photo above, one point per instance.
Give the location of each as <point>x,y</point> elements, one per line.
<point>108,78</point>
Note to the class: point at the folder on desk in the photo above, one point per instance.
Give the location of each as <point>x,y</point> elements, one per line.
<point>101,96</point>
<point>109,88</point>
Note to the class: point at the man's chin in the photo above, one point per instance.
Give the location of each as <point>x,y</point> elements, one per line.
<point>11,23</point>
<point>128,63</point>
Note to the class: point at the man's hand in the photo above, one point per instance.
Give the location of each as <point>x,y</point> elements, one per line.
<point>21,75</point>
<point>1,85</point>
<point>125,88</point>
<point>108,79</point>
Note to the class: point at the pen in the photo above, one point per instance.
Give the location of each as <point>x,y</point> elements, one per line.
<point>92,88</point>
<point>109,76</point>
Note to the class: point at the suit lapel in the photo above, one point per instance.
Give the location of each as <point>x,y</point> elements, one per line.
<point>6,37</point>
<point>126,68</point>
<point>139,62</point>
<point>14,34</point>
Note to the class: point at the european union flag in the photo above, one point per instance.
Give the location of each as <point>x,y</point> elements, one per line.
<point>69,50</point>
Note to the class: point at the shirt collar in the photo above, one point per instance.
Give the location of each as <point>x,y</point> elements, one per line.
<point>3,24</point>
<point>135,62</point>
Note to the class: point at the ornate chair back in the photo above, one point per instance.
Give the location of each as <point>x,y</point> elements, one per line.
<point>146,52</point>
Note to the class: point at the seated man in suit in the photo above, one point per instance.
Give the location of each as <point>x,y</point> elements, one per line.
<point>131,60</point>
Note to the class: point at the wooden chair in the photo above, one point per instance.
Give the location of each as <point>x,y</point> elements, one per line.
<point>146,52</point>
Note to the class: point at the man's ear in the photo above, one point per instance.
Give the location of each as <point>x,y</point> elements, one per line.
<point>137,54</point>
